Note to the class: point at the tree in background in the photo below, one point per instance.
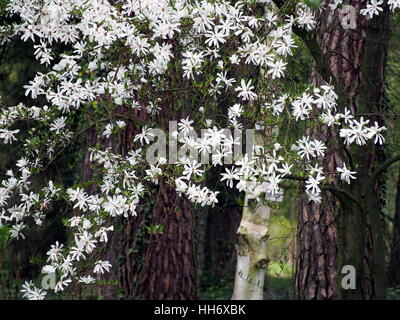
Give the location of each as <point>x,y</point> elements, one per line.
<point>393,211</point>
<point>326,229</point>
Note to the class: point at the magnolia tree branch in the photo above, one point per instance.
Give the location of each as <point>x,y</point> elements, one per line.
<point>295,177</point>
<point>338,192</point>
<point>383,167</point>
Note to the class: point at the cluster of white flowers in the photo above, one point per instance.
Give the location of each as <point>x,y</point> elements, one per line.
<point>122,54</point>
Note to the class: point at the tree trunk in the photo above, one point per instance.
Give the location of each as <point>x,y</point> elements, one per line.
<point>158,265</point>
<point>316,263</point>
<point>251,245</point>
<point>170,259</point>
<point>331,234</point>
<point>394,266</point>
<point>252,260</point>
<point>317,236</point>
<point>220,240</point>
<point>369,192</point>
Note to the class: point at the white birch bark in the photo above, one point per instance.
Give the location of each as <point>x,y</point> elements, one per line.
<point>251,247</point>
<point>251,252</point>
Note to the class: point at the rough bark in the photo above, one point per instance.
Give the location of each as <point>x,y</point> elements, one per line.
<point>316,263</point>
<point>158,266</point>
<point>167,268</point>
<point>370,100</point>
<point>332,234</point>
<point>170,261</point>
<point>317,238</point>
<point>394,265</point>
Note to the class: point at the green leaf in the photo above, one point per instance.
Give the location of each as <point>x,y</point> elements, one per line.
<point>155,229</point>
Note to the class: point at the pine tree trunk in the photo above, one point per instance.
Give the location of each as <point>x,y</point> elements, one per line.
<point>371,100</point>
<point>394,266</point>
<point>317,245</point>
<point>317,236</point>
<point>155,266</point>
<point>331,235</point>
<point>159,266</point>
<point>170,259</point>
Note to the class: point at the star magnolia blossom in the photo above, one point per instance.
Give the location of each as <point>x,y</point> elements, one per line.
<point>127,54</point>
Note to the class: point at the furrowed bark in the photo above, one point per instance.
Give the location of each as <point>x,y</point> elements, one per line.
<point>158,266</point>
<point>336,234</point>
<point>162,267</point>
<point>170,259</point>
<point>394,266</point>
<point>370,156</point>
<point>317,272</point>
<point>317,249</point>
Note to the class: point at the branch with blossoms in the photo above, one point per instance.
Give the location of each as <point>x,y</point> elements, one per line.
<point>340,193</point>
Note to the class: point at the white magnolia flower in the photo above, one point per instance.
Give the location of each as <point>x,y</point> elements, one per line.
<point>108,130</point>
<point>312,183</point>
<point>8,135</point>
<point>87,279</point>
<point>373,8</point>
<point>346,174</point>
<point>102,266</point>
<point>245,90</point>
<point>58,124</point>
<point>31,292</point>
<point>230,176</point>
<point>16,231</point>
<point>192,168</point>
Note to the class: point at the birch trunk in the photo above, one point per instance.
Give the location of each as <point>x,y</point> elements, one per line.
<point>251,252</point>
